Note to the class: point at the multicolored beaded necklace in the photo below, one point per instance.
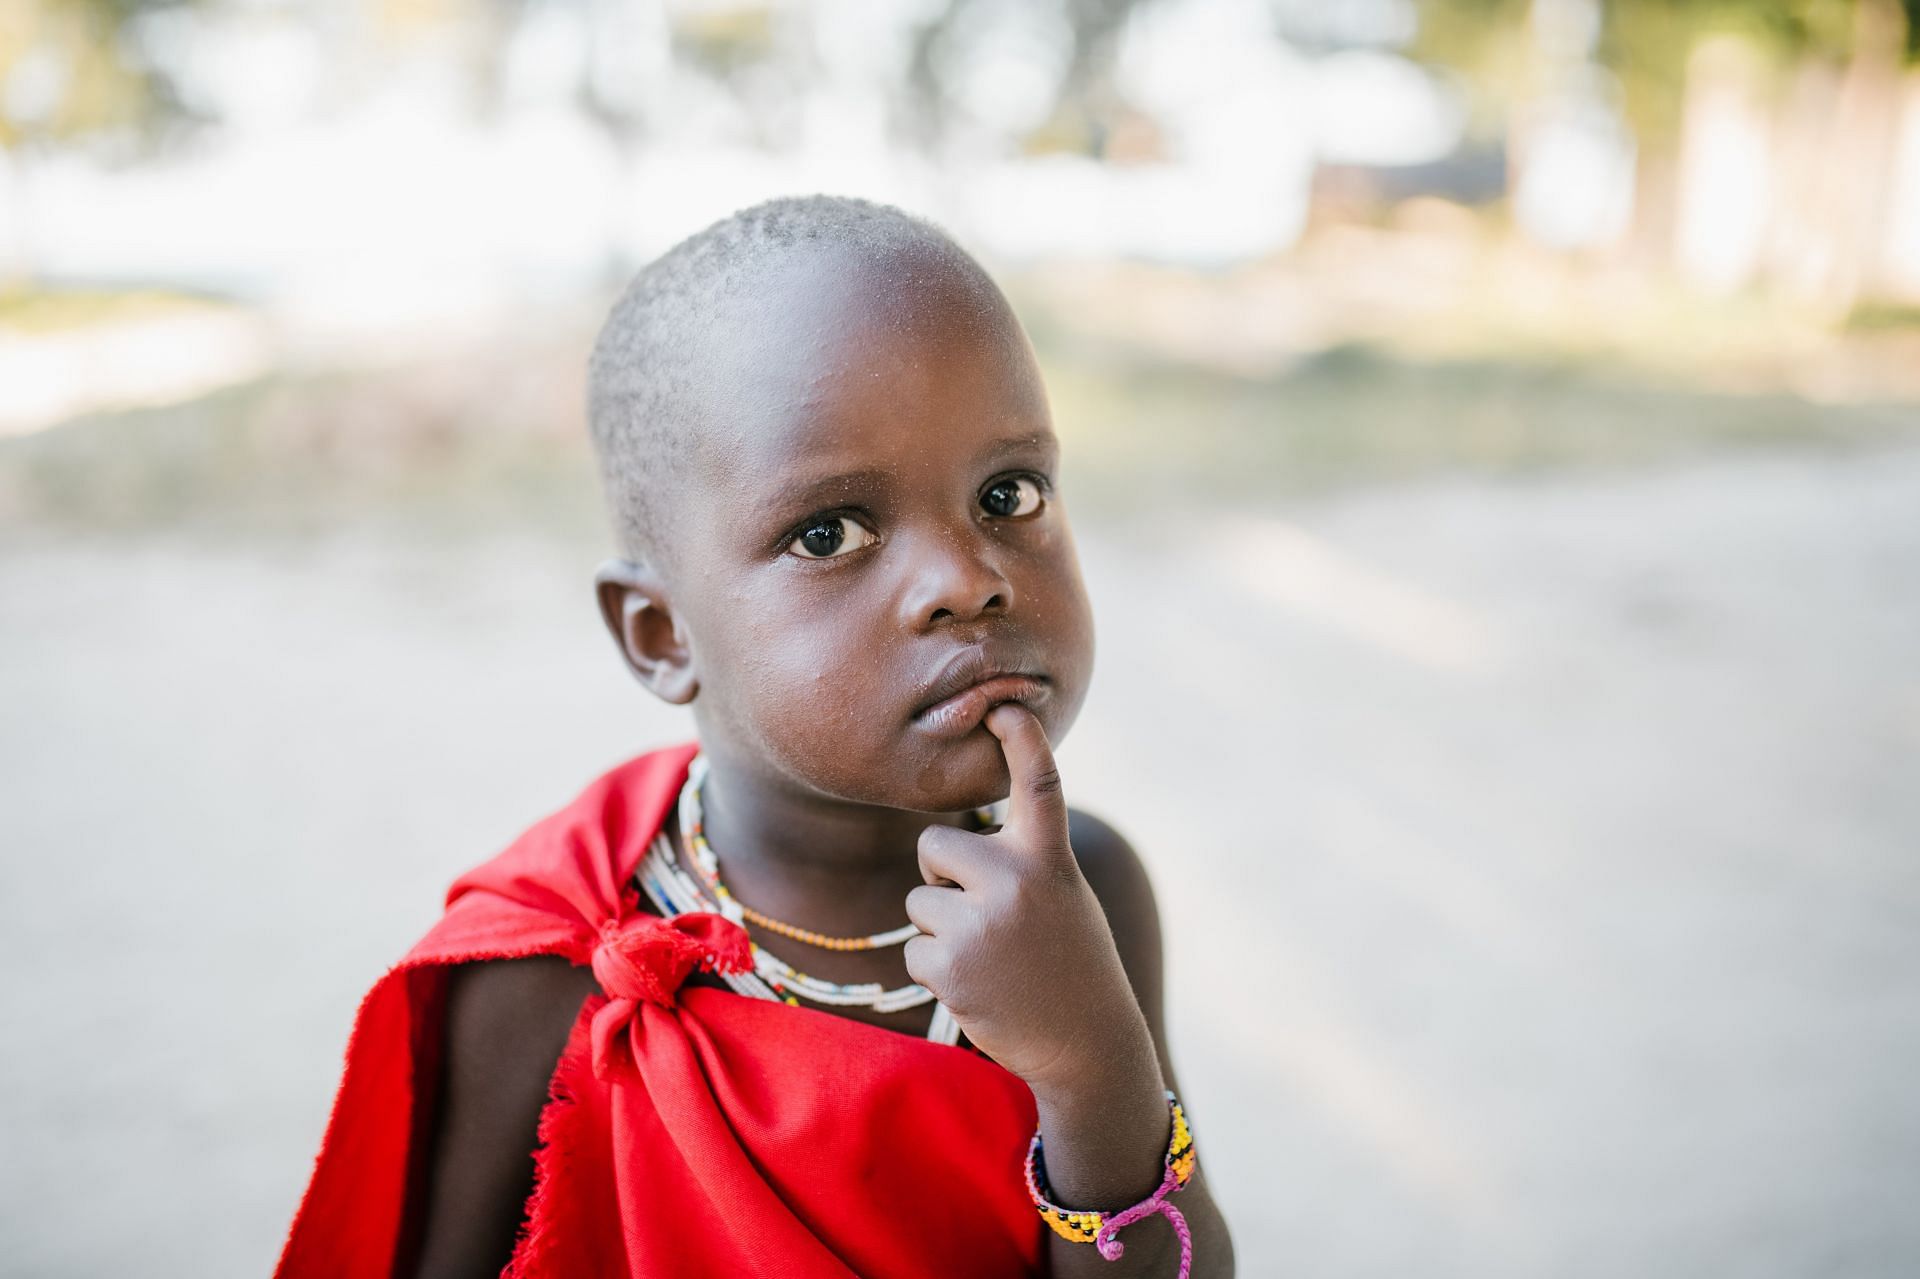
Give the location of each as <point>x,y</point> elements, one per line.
<point>693,823</point>
<point>673,891</point>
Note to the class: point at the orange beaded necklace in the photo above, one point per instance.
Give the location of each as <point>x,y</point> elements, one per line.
<point>693,822</point>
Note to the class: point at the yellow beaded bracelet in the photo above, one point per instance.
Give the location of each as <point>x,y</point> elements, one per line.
<point>1102,1228</point>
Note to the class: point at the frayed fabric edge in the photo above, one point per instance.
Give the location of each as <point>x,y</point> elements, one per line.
<point>310,1246</point>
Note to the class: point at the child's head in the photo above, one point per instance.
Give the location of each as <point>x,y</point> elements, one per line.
<point>832,470</point>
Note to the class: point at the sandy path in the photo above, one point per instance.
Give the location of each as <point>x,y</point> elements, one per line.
<point>1539,859</point>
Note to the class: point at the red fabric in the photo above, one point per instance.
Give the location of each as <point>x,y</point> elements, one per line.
<point>689,1131</point>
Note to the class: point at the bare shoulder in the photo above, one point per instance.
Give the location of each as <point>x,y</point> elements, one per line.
<point>507,1023</point>
<point>1114,871</point>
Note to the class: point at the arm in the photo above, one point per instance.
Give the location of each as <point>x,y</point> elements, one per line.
<point>1059,982</point>
<point>1104,1141</point>
<point>507,1023</point>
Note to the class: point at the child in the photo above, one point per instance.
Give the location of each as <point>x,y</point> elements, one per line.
<point>787,1000</point>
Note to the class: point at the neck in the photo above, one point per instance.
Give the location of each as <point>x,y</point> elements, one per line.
<point>832,865</point>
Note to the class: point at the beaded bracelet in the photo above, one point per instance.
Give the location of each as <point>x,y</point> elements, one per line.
<point>1102,1228</point>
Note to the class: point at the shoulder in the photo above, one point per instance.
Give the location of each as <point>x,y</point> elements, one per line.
<point>507,1022</point>
<point>516,1005</point>
<point>1119,880</point>
<point>1114,871</point>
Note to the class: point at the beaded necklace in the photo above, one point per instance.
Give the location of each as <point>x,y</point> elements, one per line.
<point>673,891</point>
<point>693,823</point>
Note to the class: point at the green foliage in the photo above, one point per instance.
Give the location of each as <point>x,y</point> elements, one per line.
<point>1474,37</point>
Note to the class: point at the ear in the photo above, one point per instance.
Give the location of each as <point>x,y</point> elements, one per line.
<point>635,607</point>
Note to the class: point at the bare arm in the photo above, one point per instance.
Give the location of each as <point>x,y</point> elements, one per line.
<point>1104,1155</point>
<point>507,1023</point>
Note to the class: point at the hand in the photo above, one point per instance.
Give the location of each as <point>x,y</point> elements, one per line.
<point>1014,941</point>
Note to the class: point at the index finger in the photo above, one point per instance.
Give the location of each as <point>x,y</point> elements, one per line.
<point>1037,805</point>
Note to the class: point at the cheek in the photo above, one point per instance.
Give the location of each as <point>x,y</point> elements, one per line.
<point>1076,640</point>
<point>1067,615</point>
<point>802,671</point>
<point>818,696</point>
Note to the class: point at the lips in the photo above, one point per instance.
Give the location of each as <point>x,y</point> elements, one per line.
<point>973,682</point>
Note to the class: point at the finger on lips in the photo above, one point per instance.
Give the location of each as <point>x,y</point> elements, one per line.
<point>1037,806</point>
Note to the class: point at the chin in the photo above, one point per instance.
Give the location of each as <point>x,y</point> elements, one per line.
<point>968,773</point>
<point>941,776</point>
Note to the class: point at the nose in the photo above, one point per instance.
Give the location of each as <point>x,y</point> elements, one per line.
<point>953,576</point>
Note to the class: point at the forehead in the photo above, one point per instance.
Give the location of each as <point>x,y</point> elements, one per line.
<point>842,361</point>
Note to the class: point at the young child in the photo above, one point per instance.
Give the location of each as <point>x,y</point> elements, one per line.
<point>789,1000</point>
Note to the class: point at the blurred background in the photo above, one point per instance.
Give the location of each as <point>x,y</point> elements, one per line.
<point>1492,429</point>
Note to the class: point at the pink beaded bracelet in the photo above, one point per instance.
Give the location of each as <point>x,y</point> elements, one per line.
<point>1102,1228</point>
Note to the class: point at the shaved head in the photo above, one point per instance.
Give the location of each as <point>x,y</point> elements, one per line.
<point>652,393</point>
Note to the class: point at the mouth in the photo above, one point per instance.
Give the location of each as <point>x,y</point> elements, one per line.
<point>973,682</point>
<point>964,711</point>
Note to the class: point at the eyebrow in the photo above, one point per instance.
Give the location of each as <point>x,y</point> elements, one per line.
<point>1045,441</point>
<point>804,492</point>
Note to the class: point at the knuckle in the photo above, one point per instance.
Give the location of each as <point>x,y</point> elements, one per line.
<point>926,963</point>
<point>1064,874</point>
<point>1046,782</point>
<point>939,839</point>
<point>929,843</point>
<point>919,901</point>
<point>1064,869</point>
<point>1042,880</point>
<point>956,981</point>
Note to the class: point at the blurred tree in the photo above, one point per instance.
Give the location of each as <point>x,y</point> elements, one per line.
<point>1085,107</point>
<point>1813,85</point>
<point>1646,43</point>
<point>76,71</point>
<point>81,69</point>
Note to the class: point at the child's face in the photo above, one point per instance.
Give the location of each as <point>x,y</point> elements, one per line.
<point>878,498</point>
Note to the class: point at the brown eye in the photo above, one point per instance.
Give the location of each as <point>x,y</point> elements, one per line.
<point>826,538</point>
<point>1012,497</point>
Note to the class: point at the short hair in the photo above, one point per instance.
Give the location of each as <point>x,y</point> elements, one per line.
<point>644,384</point>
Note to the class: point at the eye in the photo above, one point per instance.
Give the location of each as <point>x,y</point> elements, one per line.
<point>831,536</point>
<point>1012,497</point>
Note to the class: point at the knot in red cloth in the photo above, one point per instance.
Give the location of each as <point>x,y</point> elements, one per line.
<point>645,957</point>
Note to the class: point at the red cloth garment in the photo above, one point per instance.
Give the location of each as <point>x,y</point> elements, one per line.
<point>689,1131</point>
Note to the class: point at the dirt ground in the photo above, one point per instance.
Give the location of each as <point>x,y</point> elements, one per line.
<point>1537,856</point>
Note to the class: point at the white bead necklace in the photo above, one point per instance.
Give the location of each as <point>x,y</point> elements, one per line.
<point>674,891</point>
<point>693,830</point>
